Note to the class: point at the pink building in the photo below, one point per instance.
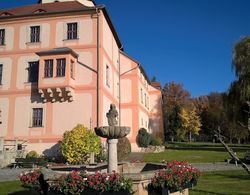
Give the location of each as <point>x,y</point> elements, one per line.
<point>62,64</point>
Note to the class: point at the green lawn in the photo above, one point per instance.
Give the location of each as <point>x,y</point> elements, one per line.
<point>12,188</point>
<point>191,156</point>
<point>223,183</point>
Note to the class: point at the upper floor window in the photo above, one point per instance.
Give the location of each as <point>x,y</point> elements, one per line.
<point>145,99</point>
<point>72,30</point>
<point>1,73</point>
<point>37,117</point>
<point>141,96</point>
<point>48,69</point>
<point>148,102</point>
<point>107,76</point>
<point>60,67</point>
<point>34,34</point>
<point>72,75</point>
<point>2,36</point>
<point>33,71</point>
<point>118,90</point>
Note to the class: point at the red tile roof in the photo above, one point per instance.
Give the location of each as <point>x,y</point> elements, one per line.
<point>156,85</point>
<point>47,7</point>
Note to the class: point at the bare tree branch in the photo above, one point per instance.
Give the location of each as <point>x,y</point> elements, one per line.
<point>230,151</point>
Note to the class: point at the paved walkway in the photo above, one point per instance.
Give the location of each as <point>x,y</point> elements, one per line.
<point>12,174</point>
<point>206,167</point>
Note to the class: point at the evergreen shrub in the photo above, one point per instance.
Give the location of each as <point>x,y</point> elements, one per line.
<point>143,138</point>
<point>123,148</point>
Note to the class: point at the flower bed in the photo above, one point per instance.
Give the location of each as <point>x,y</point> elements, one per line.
<point>29,179</point>
<point>175,177</point>
<point>80,183</point>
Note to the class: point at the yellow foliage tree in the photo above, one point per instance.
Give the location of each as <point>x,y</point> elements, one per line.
<point>190,121</point>
<point>78,143</point>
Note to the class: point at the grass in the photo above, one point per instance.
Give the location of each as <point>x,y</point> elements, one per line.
<point>205,144</point>
<point>223,183</point>
<point>13,188</point>
<point>191,156</point>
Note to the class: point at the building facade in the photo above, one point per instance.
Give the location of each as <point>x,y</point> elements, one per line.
<point>62,64</point>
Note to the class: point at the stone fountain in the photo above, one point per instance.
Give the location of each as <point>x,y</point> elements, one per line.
<point>112,133</point>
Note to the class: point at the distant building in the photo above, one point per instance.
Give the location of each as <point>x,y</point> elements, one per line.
<point>62,64</point>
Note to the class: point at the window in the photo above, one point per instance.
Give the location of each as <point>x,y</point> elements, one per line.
<point>2,36</point>
<point>145,99</point>
<point>33,72</point>
<point>72,70</point>
<point>118,90</point>
<point>141,96</point>
<point>60,68</point>
<point>147,102</point>
<point>37,117</point>
<point>1,73</point>
<point>48,69</point>
<point>34,34</point>
<point>107,75</point>
<point>72,31</point>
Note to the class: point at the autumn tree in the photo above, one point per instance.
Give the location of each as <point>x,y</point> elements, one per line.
<point>191,123</point>
<point>175,97</point>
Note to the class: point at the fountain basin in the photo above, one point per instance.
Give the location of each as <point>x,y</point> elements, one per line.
<point>112,132</point>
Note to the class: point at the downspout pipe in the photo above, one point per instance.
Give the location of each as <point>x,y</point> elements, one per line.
<point>98,70</point>
<point>119,72</point>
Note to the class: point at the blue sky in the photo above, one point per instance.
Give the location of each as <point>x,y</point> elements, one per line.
<point>185,41</point>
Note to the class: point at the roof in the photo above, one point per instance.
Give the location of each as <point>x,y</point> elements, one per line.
<point>56,8</point>
<point>140,66</point>
<point>156,85</point>
<point>47,7</point>
<point>57,51</point>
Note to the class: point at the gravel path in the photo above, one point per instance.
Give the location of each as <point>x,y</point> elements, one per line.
<point>206,167</point>
<point>12,174</point>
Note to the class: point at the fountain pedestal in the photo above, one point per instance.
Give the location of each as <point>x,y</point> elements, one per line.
<point>112,133</point>
<point>112,155</point>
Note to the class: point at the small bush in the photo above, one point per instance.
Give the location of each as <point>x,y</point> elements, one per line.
<point>155,141</point>
<point>32,154</point>
<point>78,143</point>
<point>123,148</point>
<point>143,138</point>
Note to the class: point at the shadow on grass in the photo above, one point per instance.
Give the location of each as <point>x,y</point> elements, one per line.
<point>23,193</point>
<point>241,177</point>
<point>207,192</point>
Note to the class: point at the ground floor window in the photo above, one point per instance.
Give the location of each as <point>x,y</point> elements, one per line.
<point>37,117</point>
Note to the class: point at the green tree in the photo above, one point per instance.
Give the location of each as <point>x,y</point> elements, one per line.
<point>78,143</point>
<point>241,66</point>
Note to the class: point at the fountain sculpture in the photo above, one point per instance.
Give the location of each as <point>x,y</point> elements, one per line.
<point>112,133</point>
